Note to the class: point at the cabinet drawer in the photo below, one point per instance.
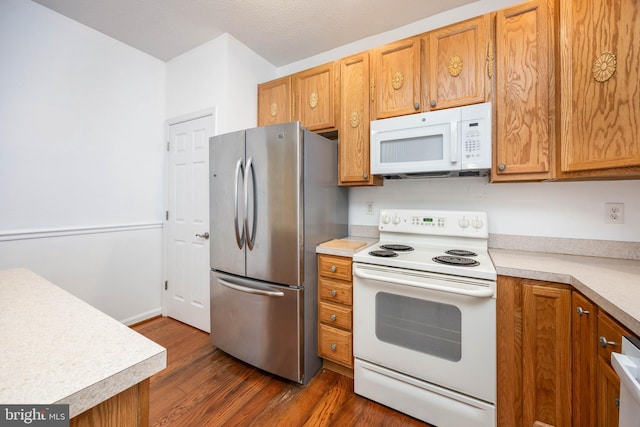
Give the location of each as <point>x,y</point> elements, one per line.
<point>334,315</point>
<point>335,291</point>
<point>610,335</point>
<point>335,267</point>
<point>335,344</point>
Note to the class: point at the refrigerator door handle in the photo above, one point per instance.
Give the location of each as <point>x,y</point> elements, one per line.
<point>250,290</point>
<point>250,177</point>
<point>239,238</point>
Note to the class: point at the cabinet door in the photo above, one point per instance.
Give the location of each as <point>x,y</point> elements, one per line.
<point>600,90</point>
<point>353,143</point>
<point>546,349</point>
<point>274,102</point>
<point>583,360</point>
<point>525,92</point>
<point>456,63</point>
<point>610,335</point>
<point>315,97</point>
<point>396,79</point>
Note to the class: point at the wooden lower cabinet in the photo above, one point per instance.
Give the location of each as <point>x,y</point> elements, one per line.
<point>554,357</point>
<point>128,408</point>
<point>335,314</point>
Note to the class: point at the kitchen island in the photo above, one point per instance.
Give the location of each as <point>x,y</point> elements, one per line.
<point>57,349</point>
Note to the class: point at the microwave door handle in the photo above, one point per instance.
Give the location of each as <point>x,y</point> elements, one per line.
<point>454,144</point>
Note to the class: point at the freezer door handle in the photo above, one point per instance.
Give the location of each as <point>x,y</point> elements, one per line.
<point>250,177</point>
<point>236,224</point>
<point>250,290</point>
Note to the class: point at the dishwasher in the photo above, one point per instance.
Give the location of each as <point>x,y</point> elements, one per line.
<point>627,366</point>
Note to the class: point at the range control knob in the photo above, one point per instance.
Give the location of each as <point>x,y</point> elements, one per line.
<point>463,223</point>
<point>396,219</point>
<point>477,223</point>
<point>385,218</point>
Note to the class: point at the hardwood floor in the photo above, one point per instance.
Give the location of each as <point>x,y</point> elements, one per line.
<point>203,386</point>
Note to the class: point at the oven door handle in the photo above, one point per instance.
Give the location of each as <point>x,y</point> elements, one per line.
<point>481,292</point>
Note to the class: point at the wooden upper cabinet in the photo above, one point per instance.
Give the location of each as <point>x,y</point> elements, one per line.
<point>600,90</point>
<point>524,99</point>
<point>274,102</point>
<point>395,83</point>
<point>315,97</point>
<point>456,63</point>
<point>353,143</point>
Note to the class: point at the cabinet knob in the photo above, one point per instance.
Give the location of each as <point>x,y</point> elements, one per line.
<point>433,103</point>
<point>416,106</point>
<point>333,317</point>
<point>333,292</point>
<point>581,311</point>
<point>333,269</point>
<point>334,347</point>
<point>604,342</point>
<point>365,175</point>
<point>502,166</point>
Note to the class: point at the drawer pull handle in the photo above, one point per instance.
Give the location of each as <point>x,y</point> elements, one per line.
<point>333,317</point>
<point>333,293</point>
<point>333,269</point>
<point>334,347</point>
<point>604,342</point>
<point>580,311</point>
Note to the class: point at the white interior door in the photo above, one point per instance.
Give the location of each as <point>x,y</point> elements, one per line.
<point>187,254</point>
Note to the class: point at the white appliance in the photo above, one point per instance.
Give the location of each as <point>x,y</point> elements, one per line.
<point>425,317</point>
<point>627,366</point>
<point>450,142</point>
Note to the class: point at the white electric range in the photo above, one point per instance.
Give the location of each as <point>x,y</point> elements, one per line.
<point>424,317</point>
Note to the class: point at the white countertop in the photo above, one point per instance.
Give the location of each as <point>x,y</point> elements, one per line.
<point>55,348</point>
<point>613,284</point>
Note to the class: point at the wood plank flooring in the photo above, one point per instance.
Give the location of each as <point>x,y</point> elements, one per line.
<point>203,386</point>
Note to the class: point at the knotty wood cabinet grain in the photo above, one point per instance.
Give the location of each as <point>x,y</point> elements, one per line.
<point>600,89</point>
<point>525,92</point>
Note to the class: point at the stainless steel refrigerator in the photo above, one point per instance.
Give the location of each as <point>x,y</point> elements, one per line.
<point>273,198</point>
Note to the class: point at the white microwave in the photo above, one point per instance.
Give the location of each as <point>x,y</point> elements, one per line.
<point>451,142</point>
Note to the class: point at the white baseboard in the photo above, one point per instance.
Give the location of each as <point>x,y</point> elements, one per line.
<point>142,316</point>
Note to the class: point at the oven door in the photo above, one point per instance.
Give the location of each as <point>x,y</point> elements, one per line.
<point>437,328</point>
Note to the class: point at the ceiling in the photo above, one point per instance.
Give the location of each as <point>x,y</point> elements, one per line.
<point>281,31</point>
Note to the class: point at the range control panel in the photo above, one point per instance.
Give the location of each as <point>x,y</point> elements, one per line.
<point>438,223</point>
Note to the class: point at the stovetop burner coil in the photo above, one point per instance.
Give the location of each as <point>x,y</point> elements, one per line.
<point>461,252</point>
<point>383,253</point>
<point>398,248</point>
<point>456,260</point>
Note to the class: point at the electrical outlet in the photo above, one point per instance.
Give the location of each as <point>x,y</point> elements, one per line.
<point>614,213</point>
<point>369,208</point>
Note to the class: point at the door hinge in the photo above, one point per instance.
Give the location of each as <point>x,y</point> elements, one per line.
<point>166,215</point>
<point>166,285</point>
<point>168,146</point>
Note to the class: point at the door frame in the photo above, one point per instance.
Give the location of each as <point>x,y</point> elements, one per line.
<point>208,112</point>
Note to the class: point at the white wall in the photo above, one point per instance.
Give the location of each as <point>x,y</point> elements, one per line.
<point>81,147</point>
<point>221,74</point>
<point>551,209</point>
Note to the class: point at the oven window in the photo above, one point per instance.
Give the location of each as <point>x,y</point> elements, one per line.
<point>418,149</point>
<point>428,327</point>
